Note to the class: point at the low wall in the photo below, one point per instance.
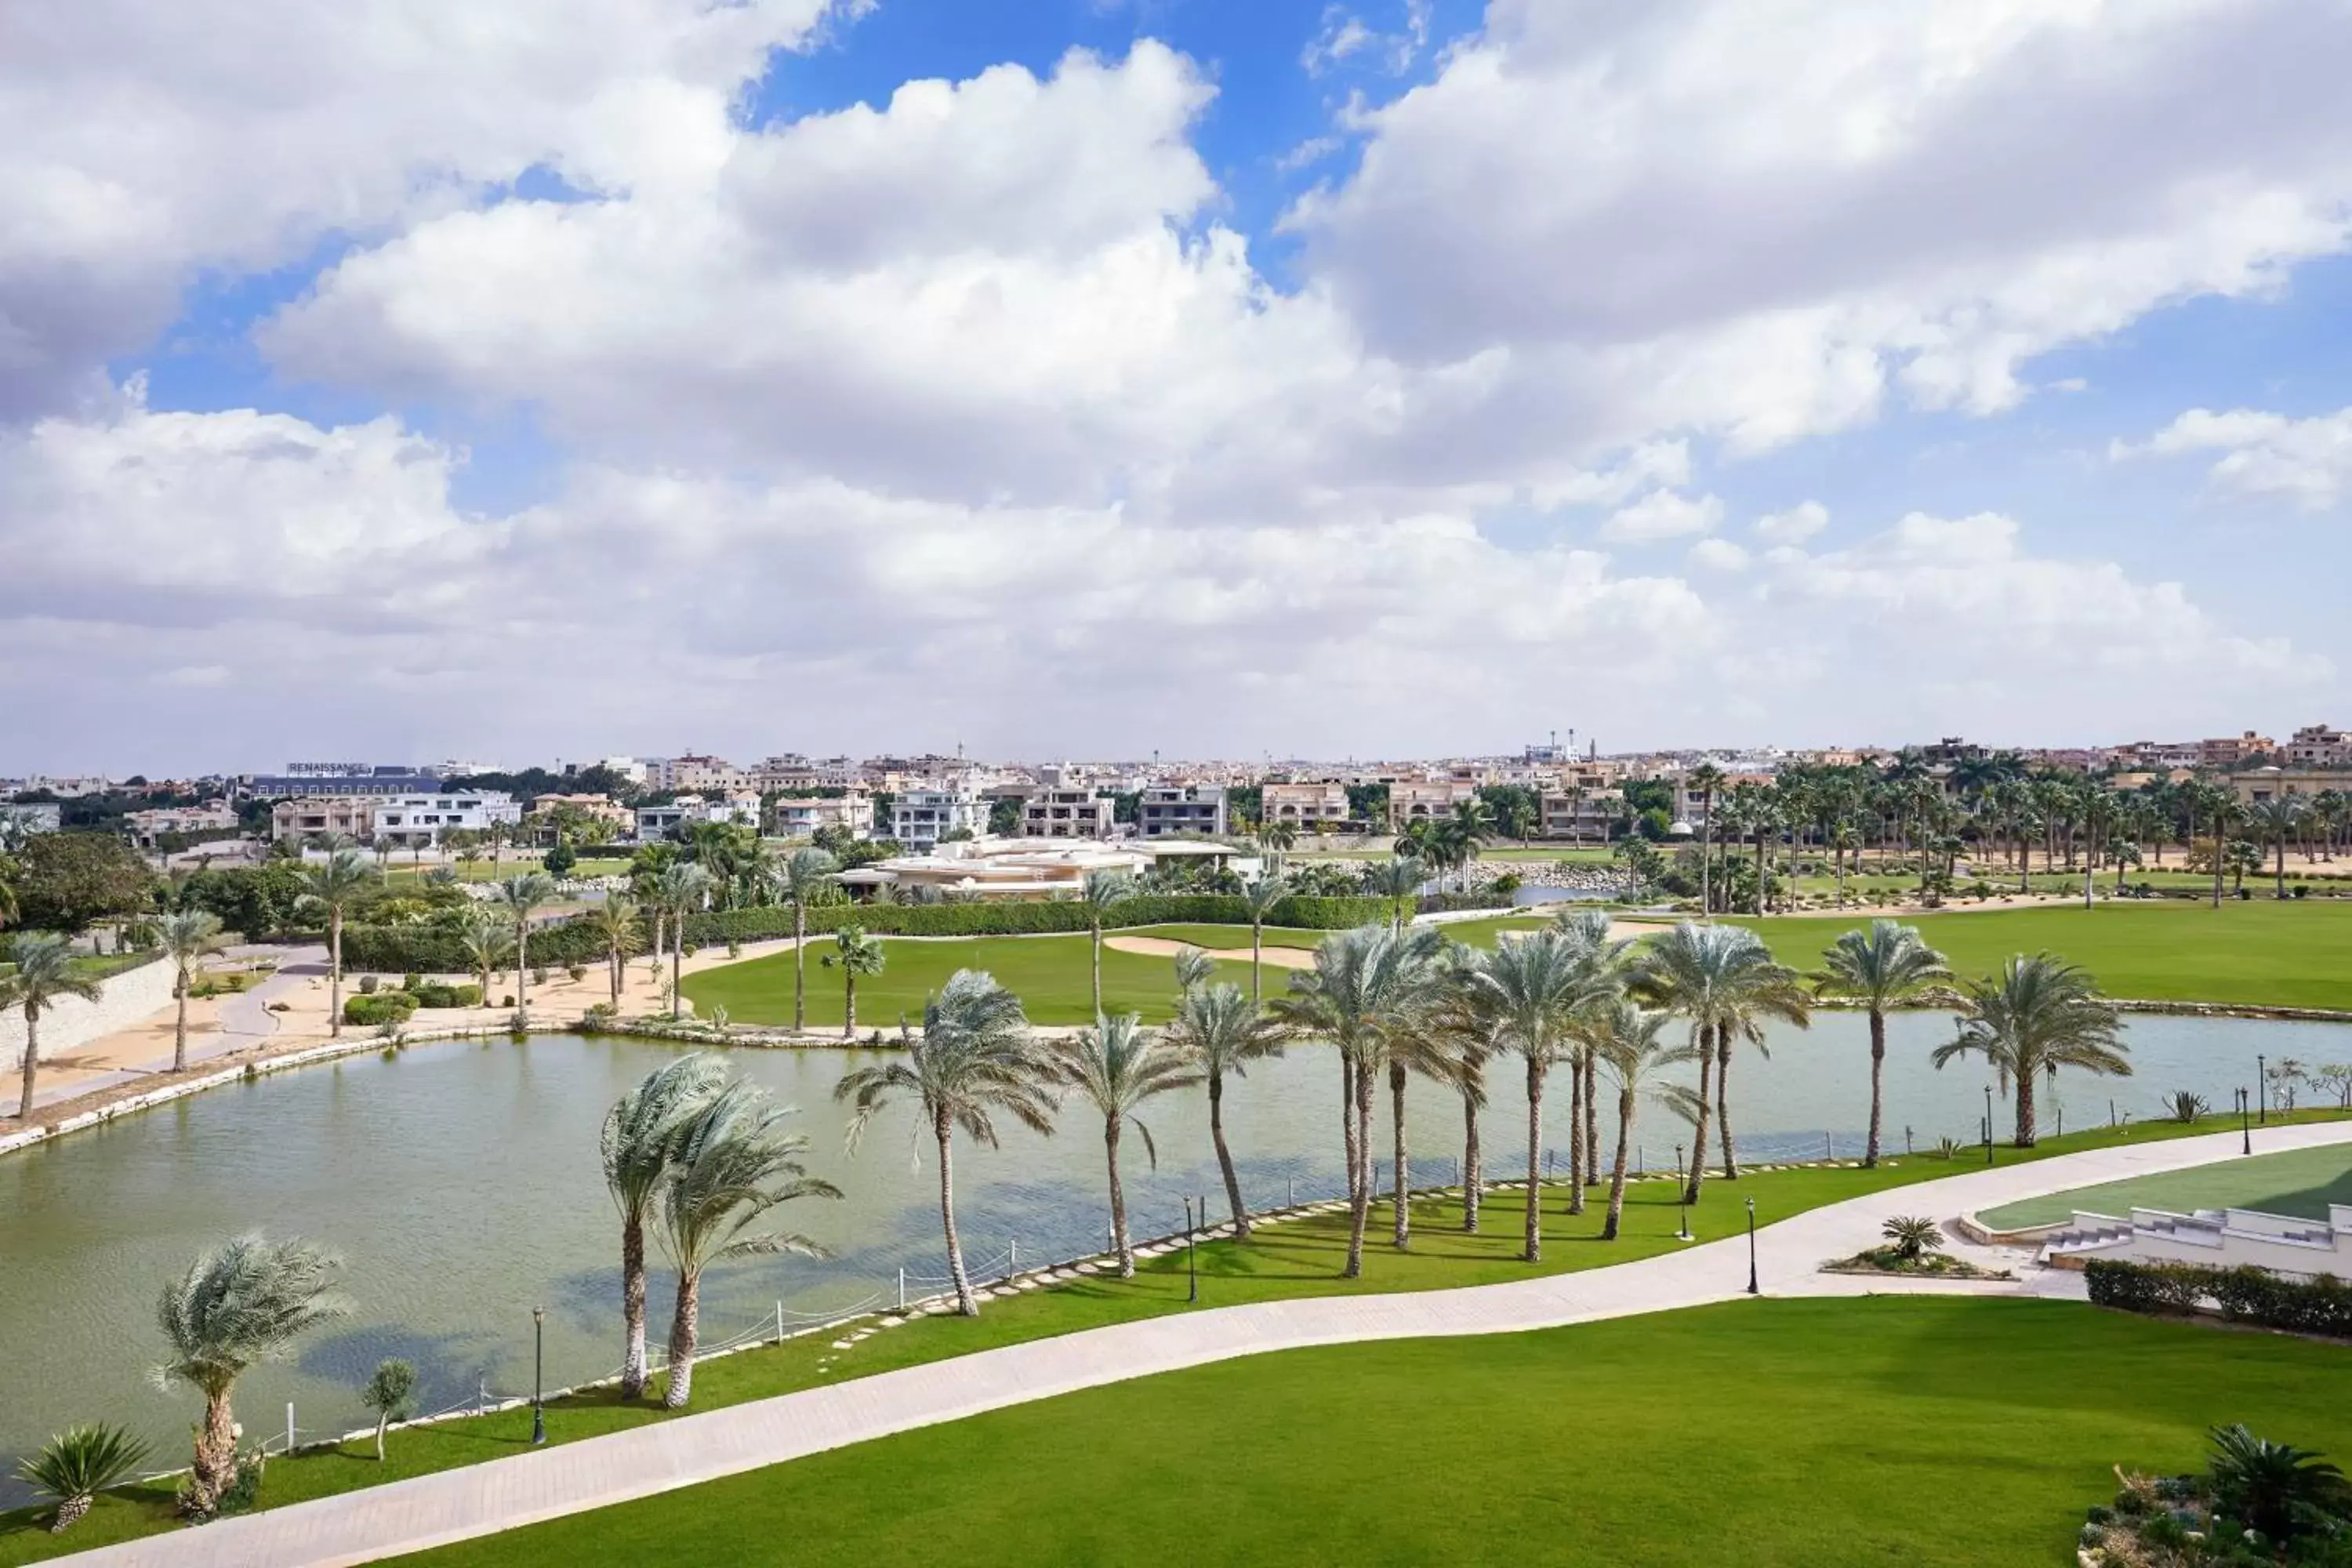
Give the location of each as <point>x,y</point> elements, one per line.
<point>124,1000</point>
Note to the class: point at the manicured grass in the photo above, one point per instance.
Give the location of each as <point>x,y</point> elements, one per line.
<point>1923,1431</point>
<point>1294,1258</point>
<point>2300,1181</point>
<point>2260,952</point>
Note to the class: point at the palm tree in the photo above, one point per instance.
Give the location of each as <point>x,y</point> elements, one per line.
<point>522,895</point>
<point>854,954</point>
<point>801,876</point>
<point>1721,978</point>
<point>9,908</point>
<point>1222,1032</point>
<point>2040,1014</point>
<point>1194,969</point>
<point>615,921</point>
<point>1526,994</point>
<point>2281,817</point>
<point>333,884</point>
<point>640,1134</point>
<point>730,1162</point>
<point>2223,810</point>
<point>976,1056</point>
<point>239,1303</point>
<point>1460,1063</point>
<point>1471,829</point>
<point>1625,1041</point>
<point>44,977</point>
<point>1114,1067</point>
<point>188,935</point>
<point>1889,965</point>
<point>1100,890</point>
<point>1399,881</point>
<point>486,940</point>
<point>1705,778</point>
<point>682,888</point>
<point>1260,898</point>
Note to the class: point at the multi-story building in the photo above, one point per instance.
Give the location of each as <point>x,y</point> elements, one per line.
<point>314,781</point>
<point>1067,812</point>
<point>2228,753</point>
<point>2319,746</point>
<point>1413,799</point>
<point>1304,805</point>
<point>598,807</point>
<point>419,821</point>
<point>799,816</point>
<point>740,807</point>
<point>307,817</point>
<point>69,787</point>
<point>213,818</point>
<point>696,774</point>
<point>924,816</point>
<point>1181,808</point>
<point>1582,816</point>
<point>2259,785</point>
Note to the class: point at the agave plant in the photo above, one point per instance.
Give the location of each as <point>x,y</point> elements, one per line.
<point>1948,1149</point>
<point>1913,1237</point>
<point>2185,1108</point>
<point>2281,1491</point>
<point>77,1464</point>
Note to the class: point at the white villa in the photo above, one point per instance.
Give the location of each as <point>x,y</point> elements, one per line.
<point>1032,869</point>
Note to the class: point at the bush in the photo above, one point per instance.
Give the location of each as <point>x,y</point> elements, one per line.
<point>578,972</point>
<point>367,984</point>
<point>439,996</point>
<point>2322,1305</point>
<point>382,1007</point>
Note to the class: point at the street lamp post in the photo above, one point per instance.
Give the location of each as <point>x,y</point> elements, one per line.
<point>2261,1093</point>
<point>1682,1196</point>
<point>1751,1248</point>
<point>538,1376</point>
<point>1988,1123</point>
<point>2245,1126</point>
<point>1192,1251</point>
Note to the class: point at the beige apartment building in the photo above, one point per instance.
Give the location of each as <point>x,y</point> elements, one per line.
<point>1064,813</point>
<point>351,816</point>
<point>1304,805</point>
<point>2269,783</point>
<point>1415,798</point>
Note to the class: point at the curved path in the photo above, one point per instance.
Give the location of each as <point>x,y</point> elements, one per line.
<point>479,1499</point>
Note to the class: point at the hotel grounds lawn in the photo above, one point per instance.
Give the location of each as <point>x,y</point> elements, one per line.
<point>1931,1432</point>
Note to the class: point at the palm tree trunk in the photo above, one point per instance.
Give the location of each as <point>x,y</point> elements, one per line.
<point>1117,1200</point>
<point>1471,1174</point>
<point>522,965</point>
<point>1698,1130</point>
<point>799,966</point>
<point>682,1328</point>
<point>2026,1135</point>
<point>1576,1092</point>
<point>613,972</point>
<point>1097,971</point>
<point>216,1457</point>
<point>677,969</point>
<point>2282,865</point>
<point>1225,1156</point>
<point>1609,1226</point>
<point>848,1002</point>
<point>179,1022</point>
<point>1257,963</point>
<point>1592,1122</point>
<point>1359,1206</point>
<point>633,1307</point>
<point>944,1131</point>
<point>32,1062</point>
<point>1403,1233</point>
<point>1533,1251</point>
<point>334,971</point>
<point>1348,1123</point>
<point>1723,1104</point>
<point>1877,1075</point>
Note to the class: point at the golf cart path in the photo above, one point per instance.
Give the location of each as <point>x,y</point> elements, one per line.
<point>376,1522</point>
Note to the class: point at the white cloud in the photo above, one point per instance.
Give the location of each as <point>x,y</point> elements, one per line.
<point>1719,555</point>
<point>2306,463</point>
<point>1663,514</point>
<point>1794,526</point>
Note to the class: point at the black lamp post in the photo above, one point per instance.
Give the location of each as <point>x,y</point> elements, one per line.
<point>1751,1248</point>
<point>1988,1124</point>
<point>1682,1196</point>
<point>1193,1250</point>
<point>538,1376</point>
<point>2261,1093</point>
<point>2245,1126</point>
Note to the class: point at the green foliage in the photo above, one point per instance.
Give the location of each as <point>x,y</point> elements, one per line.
<point>2322,1305</point>
<point>2185,1108</point>
<point>79,1463</point>
<point>2281,1490</point>
<point>559,861</point>
<point>380,1007</point>
<point>1913,1237</point>
<point>69,881</point>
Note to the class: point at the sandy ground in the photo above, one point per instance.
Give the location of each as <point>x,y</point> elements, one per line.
<point>1160,947</point>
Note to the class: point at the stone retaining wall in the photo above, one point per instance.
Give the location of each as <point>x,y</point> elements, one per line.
<point>124,1000</point>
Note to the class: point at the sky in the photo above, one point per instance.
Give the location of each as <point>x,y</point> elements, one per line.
<point>405,379</point>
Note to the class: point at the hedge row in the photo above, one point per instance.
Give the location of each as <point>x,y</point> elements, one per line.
<point>2322,1305</point>
<point>399,950</point>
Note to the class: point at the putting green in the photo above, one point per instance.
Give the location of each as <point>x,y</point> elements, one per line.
<point>2302,1182</point>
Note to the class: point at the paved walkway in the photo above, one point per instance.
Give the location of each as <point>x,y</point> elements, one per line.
<point>457,1505</point>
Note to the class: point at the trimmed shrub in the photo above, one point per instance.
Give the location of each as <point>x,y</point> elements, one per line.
<point>382,1007</point>
<point>438,996</point>
<point>367,984</point>
<point>2321,1305</point>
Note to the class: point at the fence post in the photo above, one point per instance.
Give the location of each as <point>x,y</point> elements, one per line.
<point>1907,1138</point>
<point>481,1395</point>
<point>1016,1254</point>
<point>780,1322</point>
<point>1829,1152</point>
<point>1640,1161</point>
<point>902,1287</point>
<point>289,1425</point>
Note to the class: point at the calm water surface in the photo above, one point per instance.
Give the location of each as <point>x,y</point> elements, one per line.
<point>459,1181</point>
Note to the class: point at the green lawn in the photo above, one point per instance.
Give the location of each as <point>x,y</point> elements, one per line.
<point>2261,952</point>
<point>1295,1259</point>
<point>2300,1181</point>
<point>1934,1433</point>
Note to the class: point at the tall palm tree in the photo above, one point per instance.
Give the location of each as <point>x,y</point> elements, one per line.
<point>976,1057</point>
<point>640,1136</point>
<point>1221,1031</point>
<point>1587,933</point>
<point>1100,890</point>
<point>1114,1067</point>
<point>1888,965</point>
<point>2281,817</point>
<point>44,977</point>
<point>1194,969</point>
<point>521,896</point>
<point>188,935</point>
<point>239,1303</point>
<point>1463,1049</point>
<point>9,908</point>
<point>682,888</point>
<point>854,953</point>
<point>730,1163</point>
<point>616,920</point>
<point>1625,1043</point>
<point>1705,778</point>
<point>2040,1014</point>
<point>800,876</point>
<point>486,940</point>
<point>333,884</point>
<point>2223,810</point>
<point>1718,978</point>
<point>1399,881</point>
<point>1260,898</point>
<point>1471,829</point>
<point>1527,994</point>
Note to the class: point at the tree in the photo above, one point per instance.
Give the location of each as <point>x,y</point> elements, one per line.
<point>1719,978</point>
<point>1260,898</point>
<point>187,936</point>
<point>1526,994</point>
<point>522,895</point>
<point>639,1136</point>
<point>71,881</point>
<point>77,1464</point>
<point>1114,1067</point>
<point>976,1057</point>
<point>2223,810</point>
<point>1463,1048</point>
<point>44,976</point>
<point>2040,1014</point>
<point>9,907</point>
<point>1625,1042</point>
<point>2281,817</point>
<point>1705,779</point>
<point>1398,880</point>
<point>1888,965</point>
<point>390,1392</point>
<point>486,940</point>
<point>616,920</point>
<point>731,1162</point>
<point>1468,831</point>
<point>1100,890</point>
<point>333,884</point>
<point>239,1304</point>
<point>854,954</point>
<point>681,887</point>
<point>800,874</point>
<point>2275,1489</point>
<point>1221,1031</point>
<point>1194,969</point>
